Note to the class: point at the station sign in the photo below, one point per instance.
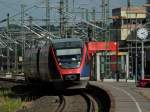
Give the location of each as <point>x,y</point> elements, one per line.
<point>20,58</point>
<point>102,46</point>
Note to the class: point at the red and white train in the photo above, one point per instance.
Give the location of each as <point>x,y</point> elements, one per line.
<point>61,59</point>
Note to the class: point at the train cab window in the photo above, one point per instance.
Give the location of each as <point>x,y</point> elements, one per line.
<point>69,58</point>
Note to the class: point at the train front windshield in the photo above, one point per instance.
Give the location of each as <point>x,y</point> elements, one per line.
<point>69,58</point>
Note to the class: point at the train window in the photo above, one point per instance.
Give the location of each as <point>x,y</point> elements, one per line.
<point>69,58</point>
<point>68,51</point>
<point>68,44</point>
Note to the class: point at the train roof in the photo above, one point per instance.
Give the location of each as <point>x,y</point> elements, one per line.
<point>67,42</point>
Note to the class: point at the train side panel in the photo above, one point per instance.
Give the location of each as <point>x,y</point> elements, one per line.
<point>85,65</point>
<point>30,64</point>
<point>43,64</point>
<point>53,65</point>
<point>47,65</point>
<point>27,63</point>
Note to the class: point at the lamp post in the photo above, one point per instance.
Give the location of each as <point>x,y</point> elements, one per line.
<point>142,59</point>
<point>142,33</point>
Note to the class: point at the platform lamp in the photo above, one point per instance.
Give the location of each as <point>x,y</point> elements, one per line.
<point>142,33</point>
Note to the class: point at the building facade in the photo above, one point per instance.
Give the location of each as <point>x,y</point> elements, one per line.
<point>126,20</point>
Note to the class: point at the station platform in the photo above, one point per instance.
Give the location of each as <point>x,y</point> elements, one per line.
<point>126,97</point>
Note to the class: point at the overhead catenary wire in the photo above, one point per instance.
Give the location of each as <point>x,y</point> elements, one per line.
<point>76,17</point>
<point>42,29</point>
<point>32,31</point>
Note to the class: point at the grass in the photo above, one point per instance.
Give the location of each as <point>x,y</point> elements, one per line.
<point>8,101</point>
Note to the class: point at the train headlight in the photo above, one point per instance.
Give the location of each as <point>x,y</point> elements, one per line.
<point>60,64</point>
<point>74,59</point>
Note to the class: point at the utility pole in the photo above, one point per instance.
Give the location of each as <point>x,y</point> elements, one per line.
<point>16,58</point>
<point>73,4</point>
<point>94,21</point>
<point>23,36</point>
<point>67,19</point>
<point>67,6</point>
<point>103,16</point>
<point>105,13</point>
<point>1,53</point>
<point>8,53</point>
<point>87,14</point>
<point>30,21</point>
<point>142,60</point>
<point>129,3</point>
<point>130,44</point>
<point>105,35</point>
<point>136,56</point>
<point>30,26</point>
<point>82,13</point>
<point>47,15</point>
<point>62,18</point>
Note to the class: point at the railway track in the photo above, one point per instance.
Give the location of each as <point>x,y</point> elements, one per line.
<point>44,98</point>
<point>61,105</point>
<point>81,102</point>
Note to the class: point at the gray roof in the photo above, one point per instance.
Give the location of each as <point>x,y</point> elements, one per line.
<point>65,40</point>
<point>67,43</point>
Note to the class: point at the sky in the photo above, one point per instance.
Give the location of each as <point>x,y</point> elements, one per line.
<point>14,6</point>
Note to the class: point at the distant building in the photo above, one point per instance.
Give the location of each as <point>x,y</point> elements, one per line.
<point>126,20</point>
<point>147,5</point>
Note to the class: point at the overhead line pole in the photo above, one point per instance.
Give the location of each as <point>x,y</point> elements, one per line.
<point>105,35</point>
<point>62,27</point>
<point>103,15</point>
<point>67,19</point>
<point>94,21</point>
<point>23,36</point>
<point>47,15</point>
<point>8,53</point>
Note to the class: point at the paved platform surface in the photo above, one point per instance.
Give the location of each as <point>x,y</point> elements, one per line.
<point>127,97</point>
